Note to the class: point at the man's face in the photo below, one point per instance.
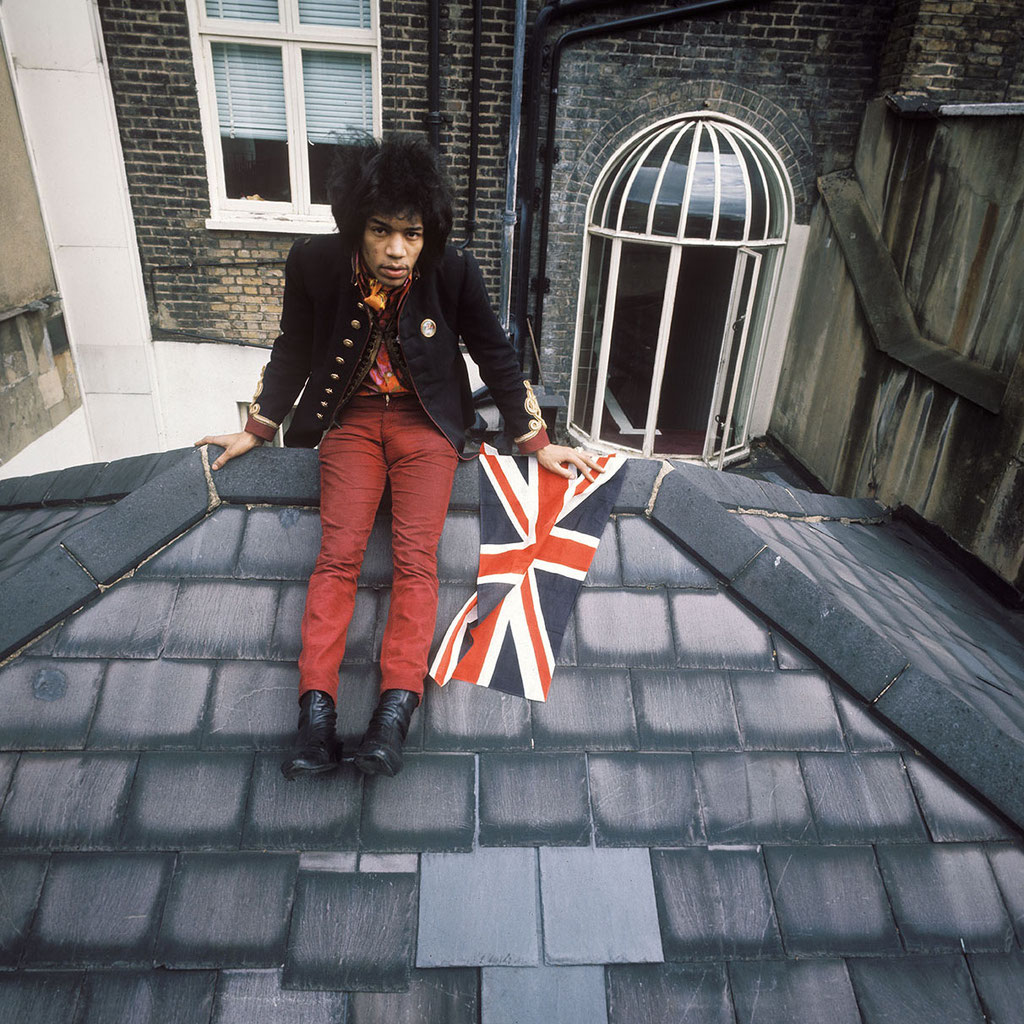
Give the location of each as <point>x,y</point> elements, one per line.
<point>391,246</point>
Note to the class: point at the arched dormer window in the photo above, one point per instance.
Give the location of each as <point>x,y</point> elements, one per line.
<point>686,229</point>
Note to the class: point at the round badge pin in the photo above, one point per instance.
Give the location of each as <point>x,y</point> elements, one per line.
<point>428,328</point>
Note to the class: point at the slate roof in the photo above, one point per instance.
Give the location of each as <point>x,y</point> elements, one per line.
<point>710,820</point>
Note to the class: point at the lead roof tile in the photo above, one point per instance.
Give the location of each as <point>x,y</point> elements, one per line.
<point>40,594</point>
<point>458,551</point>
<point>401,863</point>
<point>864,731</point>
<point>685,710</point>
<point>129,622</point>
<point>187,800</point>
<point>252,705</point>
<point>227,910</point>
<point>446,995</point>
<point>368,948</point>
<point>286,640</point>
<point>534,799</point>
<point>999,982</point>
<point>21,881</point>
<point>47,703</point>
<point>624,628</point>
<point>683,994</point>
<point>114,543</point>
<point>787,655</point>
<point>122,476</point>
<point>66,801</point>
<point>468,717</point>
<point>73,483</point>
<point>430,806</point>
<point>147,705</point>
<point>831,901</point>
<point>31,490</point>
<point>492,921</point>
<point>754,798</point>
<point>951,814</point>
<point>786,711</point>
<point>146,997</point>
<point>248,997</point>
<point>945,899</point>
<point>222,620</point>
<point>39,998</point>
<point>650,559</point>
<point>637,476</point>
<point>780,992</point>
<point>586,709</point>
<point>598,906</point>
<point>714,904</point>
<point>99,910</point>
<point>279,544</point>
<point>210,548</point>
<point>917,990</point>
<point>539,995</point>
<point>858,798</point>
<point>8,762</point>
<point>645,800</point>
<point>713,631</point>
<point>605,570</point>
<point>315,814</point>
<point>1008,867</point>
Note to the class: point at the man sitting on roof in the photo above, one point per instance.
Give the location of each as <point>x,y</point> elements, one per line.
<point>370,330</point>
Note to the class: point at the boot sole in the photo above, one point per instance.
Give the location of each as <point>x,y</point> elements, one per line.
<point>376,766</point>
<point>292,773</point>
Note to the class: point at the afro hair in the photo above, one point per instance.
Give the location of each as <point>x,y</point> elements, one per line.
<point>395,177</point>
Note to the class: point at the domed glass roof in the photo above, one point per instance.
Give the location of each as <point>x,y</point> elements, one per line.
<point>694,180</point>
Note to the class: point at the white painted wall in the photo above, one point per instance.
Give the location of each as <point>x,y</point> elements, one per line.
<point>60,78</point>
<point>67,444</point>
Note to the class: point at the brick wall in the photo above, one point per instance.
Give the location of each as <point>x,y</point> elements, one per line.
<point>798,73</point>
<point>957,50</point>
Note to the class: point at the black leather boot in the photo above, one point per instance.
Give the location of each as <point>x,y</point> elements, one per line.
<point>380,752</point>
<point>318,747</point>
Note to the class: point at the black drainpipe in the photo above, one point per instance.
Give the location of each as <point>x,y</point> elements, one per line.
<point>528,156</point>
<point>544,198</point>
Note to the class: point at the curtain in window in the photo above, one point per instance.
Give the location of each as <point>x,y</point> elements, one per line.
<point>338,91</point>
<point>244,10</point>
<point>250,91</point>
<point>339,13</point>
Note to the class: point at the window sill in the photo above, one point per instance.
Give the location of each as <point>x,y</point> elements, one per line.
<point>272,225</point>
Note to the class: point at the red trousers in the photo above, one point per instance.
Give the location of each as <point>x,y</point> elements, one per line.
<point>378,441</point>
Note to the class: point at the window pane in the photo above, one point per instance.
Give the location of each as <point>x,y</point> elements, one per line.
<point>641,192</point>
<point>673,185</point>
<point>643,271</point>
<point>702,195</point>
<point>340,13</point>
<point>694,348</point>
<point>758,199</point>
<point>338,91</point>
<point>732,209</point>
<point>250,107</point>
<point>246,10</point>
<point>590,332</point>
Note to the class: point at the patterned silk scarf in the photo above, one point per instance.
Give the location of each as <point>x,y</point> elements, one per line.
<point>389,374</point>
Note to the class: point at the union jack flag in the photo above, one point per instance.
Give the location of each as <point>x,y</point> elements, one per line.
<point>538,535</point>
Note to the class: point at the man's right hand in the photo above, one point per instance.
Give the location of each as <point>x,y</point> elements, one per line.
<point>233,445</point>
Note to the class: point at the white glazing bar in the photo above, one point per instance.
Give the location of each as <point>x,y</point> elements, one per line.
<point>763,158</point>
<point>691,165</point>
<point>656,192</point>
<point>741,349</point>
<point>748,212</point>
<point>723,356</point>
<point>724,243</point>
<point>717,157</point>
<point>637,168</point>
<point>298,162</point>
<point>661,351</point>
<point>606,338</point>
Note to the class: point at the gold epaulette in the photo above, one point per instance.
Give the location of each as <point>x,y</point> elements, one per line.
<point>532,407</point>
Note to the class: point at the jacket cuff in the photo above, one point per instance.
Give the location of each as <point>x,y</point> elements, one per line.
<point>534,444</point>
<point>261,430</point>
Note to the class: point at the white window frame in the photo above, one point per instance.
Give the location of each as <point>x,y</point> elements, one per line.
<point>590,433</point>
<point>299,216</point>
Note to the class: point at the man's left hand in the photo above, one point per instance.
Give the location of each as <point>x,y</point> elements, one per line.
<point>557,458</point>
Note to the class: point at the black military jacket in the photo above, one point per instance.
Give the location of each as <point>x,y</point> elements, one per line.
<point>325,346</point>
